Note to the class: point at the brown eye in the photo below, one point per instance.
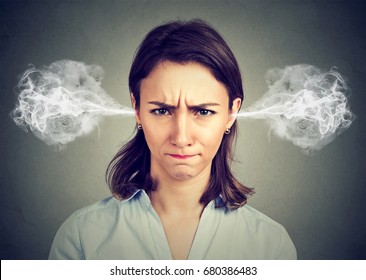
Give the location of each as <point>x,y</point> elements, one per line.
<point>205,112</point>
<point>160,111</point>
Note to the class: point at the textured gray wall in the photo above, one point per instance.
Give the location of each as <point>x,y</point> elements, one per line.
<point>319,199</point>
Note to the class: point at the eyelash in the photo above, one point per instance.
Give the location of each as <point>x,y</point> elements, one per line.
<point>165,111</point>
<point>209,112</point>
<point>159,112</point>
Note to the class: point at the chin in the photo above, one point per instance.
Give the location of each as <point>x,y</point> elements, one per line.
<point>182,176</point>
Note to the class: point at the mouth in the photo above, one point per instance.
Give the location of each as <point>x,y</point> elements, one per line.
<point>177,156</point>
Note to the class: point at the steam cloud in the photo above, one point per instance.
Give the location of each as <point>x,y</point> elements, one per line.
<point>63,101</point>
<point>304,105</point>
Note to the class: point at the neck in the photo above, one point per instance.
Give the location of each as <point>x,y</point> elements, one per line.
<point>179,197</point>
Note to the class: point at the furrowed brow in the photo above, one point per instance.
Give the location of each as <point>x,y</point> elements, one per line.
<point>203,105</point>
<point>192,107</point>
<point>162,105</point>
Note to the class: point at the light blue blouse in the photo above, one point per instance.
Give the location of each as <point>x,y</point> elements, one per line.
<point>131,229</point>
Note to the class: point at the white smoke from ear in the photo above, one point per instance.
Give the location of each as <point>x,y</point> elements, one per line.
<point>304,105</point>
<point>63,101</point>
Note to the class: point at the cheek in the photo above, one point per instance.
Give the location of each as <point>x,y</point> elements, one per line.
<point>155,138</point>
<point>212,141</point>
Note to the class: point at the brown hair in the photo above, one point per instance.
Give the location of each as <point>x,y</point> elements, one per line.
<point>181,42</point>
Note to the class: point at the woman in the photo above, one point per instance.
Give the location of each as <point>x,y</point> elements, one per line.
<point>174,195</point>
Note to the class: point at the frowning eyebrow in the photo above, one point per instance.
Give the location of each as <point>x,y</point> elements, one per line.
<point>168,106</point>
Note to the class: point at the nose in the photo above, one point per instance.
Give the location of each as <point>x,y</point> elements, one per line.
<point>181,134</point>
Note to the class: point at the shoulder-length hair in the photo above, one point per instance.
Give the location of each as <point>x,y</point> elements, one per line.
<point>181,42</point>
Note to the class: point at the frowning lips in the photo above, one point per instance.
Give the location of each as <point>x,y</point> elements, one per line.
<point>178,156</point>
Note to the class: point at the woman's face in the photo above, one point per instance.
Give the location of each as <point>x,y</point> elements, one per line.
<point>184,114</point>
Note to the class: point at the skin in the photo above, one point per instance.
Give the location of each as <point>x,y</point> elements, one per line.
<point>184,112</point>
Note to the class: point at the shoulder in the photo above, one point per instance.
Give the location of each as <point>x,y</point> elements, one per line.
<point>109,206</point>
<point>90,213</point>
<point>84,226</point>
<point>105,205</point>
<point>269,233</point>
<point>104,212</point>
<point>255,218</point>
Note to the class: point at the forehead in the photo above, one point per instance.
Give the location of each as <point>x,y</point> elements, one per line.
<point>171,82</point>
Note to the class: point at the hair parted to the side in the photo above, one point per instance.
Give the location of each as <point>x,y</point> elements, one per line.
<point>181,42</point>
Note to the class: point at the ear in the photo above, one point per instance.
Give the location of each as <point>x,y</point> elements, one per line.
<point>137,114</point>
<point>233,111</point>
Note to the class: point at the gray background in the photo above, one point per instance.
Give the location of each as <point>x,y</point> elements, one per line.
<point>319,199</point>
